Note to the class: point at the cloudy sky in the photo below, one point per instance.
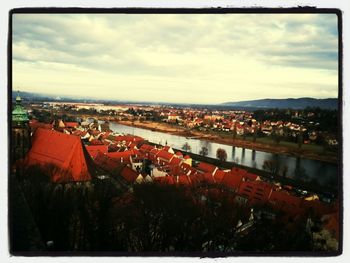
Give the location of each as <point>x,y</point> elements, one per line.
<point>197,58</point>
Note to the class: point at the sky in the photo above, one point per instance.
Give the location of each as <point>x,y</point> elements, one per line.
<point>177,58</point>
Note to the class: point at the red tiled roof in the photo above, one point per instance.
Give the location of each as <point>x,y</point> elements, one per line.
<point>232,180</point>
<point>183,180</point>
<point>35,124</point>
<point>128,138</point>
<point>65,152</point>
<point>129,174</point>
<point>95,149</point>
<point>175,161</point>
<point>166,148</point>
<point>165,155</point>
<point>187,157</point>
<point>179,154</point>
<point>206,167</point>
<point>239,171</point>
<point>106,163</point>
<point>219,175</point>
<point>96,142</point>
<point>121,156</point>
<point>146,148</point>
<point>185,168</point>
<point>257,191</point>
<point>207,178</point>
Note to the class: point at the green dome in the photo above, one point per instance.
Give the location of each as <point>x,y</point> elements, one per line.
<point>19,114</point>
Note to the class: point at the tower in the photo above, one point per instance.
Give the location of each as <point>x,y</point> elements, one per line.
<point>20,131</point>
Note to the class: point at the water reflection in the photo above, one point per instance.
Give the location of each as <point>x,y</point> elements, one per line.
<point>306,169</point>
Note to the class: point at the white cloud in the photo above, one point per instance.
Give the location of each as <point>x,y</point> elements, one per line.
<point>208,58</point>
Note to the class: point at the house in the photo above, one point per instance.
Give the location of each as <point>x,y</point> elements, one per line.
<point>168,149</point>
<point>183,180</point>
<point>206,168</point>
<point>172,117</point>
<point>93,150</point>
<point>257,192</point>
<point>129,174</point>
<point>35,124</point>
<point>106,163</point>
<point>188,160</point>
<point>232,181</point>
<point>164,157</point>
<point>62,156</point>
<point>122,157</point>
<point>218,176</point>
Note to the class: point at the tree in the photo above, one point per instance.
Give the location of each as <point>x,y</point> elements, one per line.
<point>271,166</point>
<point>221,154</point>
<point>186,147</point>
<point>255,133</point>
<point>203,151</point>
<point>300,139</point>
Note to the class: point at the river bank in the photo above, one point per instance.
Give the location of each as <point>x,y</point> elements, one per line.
<point>271,148</point>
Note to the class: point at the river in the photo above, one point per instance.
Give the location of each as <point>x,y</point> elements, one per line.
<point>308,170</point>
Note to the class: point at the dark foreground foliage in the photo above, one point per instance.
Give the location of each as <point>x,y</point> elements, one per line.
<point>98,216</point>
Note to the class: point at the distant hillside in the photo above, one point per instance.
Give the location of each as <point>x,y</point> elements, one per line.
<point>300,103</point>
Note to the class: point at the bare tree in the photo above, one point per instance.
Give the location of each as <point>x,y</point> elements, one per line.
<point>221,154</point>
<point>186,147</point>
<point>203,151</point>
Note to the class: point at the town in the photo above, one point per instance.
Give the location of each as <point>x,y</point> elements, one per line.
<point>79,175</point>
<point>275,130</point>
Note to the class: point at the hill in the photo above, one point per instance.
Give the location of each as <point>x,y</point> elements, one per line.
<point>300,103</point>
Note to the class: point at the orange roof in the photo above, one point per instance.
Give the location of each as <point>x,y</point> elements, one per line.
<point>106,163</point>
<point>219,175</point>
<point>146,148</point>
<point>175,161</point>
<point>94,149</point>
<point>239,171</point>
<point>207,178</point>
<point>179,154</point>
<point>121,156</point>
<point>65,152</point>
<point>129,174</point>
<point>183,180</point>
<point>35,124</point>
<point>165,155</point>
<point>206,167</point>
<point>257,191</point>
<point>232,180</point>
<point>96,142</point>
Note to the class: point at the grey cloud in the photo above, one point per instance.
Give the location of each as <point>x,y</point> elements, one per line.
<point>80,40</point>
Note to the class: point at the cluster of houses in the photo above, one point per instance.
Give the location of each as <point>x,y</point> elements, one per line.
<point>76,152</point>
<point>238,122</point>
